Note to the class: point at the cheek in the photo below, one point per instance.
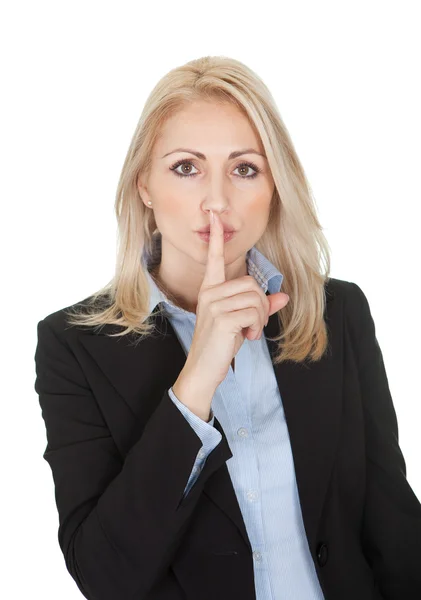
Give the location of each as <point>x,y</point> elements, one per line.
<point>173,215</point>
<point>259,209</point>
<point>173,207</point>
<point>257,216</point>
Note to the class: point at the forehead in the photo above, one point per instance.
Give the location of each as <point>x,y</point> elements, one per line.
<point>209,127</point>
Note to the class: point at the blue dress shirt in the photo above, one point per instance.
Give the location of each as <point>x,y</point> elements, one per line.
<point>249,407</point>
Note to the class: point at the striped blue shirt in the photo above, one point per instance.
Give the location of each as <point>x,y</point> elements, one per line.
<point>249,407</point>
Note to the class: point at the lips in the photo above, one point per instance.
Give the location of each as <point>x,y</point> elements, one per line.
<point>227,229</point>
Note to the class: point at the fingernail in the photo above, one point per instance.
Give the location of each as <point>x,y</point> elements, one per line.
<point>212,217</point>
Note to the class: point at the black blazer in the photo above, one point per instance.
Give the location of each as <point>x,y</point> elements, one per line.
<point>121,454</point>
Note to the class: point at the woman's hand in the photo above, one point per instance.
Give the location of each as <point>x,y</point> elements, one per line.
<point>227,312</point>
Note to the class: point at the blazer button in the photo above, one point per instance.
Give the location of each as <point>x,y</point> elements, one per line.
<point>322,554</point>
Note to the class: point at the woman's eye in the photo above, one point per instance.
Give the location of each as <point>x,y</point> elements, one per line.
<point>183,174</point>
<point>244,167</point>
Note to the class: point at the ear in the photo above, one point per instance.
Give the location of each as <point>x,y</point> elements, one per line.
<point>143,191</point>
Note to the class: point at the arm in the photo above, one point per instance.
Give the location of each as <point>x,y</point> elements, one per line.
<point>205,430</point>
<point>391,531</point>
<point>120,522</point>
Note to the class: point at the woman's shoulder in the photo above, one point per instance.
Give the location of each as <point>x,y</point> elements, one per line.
<point>341,289</point>
<point>347,300</point>
<point>59,319</point>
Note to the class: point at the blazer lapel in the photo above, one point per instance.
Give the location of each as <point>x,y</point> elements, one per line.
<point>312,399</point>
<point>311,395</point>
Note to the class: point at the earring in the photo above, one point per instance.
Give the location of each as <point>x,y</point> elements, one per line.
<point>150,203</point>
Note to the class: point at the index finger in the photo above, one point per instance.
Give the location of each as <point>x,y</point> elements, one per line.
<point>215,266</point>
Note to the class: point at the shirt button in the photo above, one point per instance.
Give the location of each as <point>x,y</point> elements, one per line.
<point>242,432</point>
<point>252,495</point>
<point>201,453</point>
<point>257,556</point>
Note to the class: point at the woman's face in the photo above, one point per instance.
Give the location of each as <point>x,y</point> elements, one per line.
<point>183,193</point>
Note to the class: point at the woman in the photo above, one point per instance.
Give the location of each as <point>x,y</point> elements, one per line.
<point>211,436</point>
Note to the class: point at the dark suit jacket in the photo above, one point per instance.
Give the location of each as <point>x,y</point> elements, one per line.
<point>121,454</point>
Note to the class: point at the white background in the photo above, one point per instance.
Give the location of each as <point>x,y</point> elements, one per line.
<point>75,76</point>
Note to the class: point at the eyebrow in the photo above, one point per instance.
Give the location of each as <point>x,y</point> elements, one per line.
<point>200,155</point>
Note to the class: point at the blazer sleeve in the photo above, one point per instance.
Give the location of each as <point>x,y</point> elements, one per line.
<point>205,430</point>
<point>120,521</point>
<point>391,533</point>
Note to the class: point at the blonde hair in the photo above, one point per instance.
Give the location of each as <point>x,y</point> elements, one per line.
<point>293,240</point>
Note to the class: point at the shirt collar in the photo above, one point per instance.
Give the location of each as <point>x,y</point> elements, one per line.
<point>258,266</point>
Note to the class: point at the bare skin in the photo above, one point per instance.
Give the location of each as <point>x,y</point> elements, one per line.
<point>182,204</point>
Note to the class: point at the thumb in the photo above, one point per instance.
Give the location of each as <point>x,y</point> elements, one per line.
<point>277,301</point>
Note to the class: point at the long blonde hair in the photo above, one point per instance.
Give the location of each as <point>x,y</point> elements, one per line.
<point>293,240</point>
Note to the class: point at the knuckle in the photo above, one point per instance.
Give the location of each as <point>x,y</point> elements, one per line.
<point>250,280</point>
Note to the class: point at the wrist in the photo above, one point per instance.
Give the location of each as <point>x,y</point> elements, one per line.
<point>192,393</point>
